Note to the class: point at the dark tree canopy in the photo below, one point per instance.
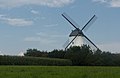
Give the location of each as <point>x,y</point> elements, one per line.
<point>80,56</point>
<point>36,53</point>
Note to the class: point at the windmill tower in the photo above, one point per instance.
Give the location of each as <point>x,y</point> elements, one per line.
<point>77,37</point>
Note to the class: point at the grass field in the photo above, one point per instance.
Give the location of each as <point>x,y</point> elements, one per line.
<point>58,72</point>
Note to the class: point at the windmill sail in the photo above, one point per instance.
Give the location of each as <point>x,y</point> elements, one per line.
<point>90,22</point>
<point>77,35</point>
<point>66,43</point>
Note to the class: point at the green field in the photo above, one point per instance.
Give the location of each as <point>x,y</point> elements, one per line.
<point>58,72</point>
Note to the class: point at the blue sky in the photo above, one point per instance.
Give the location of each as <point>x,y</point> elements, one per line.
<point>38,23</point>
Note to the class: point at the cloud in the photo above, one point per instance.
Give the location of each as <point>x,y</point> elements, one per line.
<point>112,47</point>
<point>21,54</point>
<point>1,15</point>
<point>45,38</point>
<point>51,25</point>
<point>34,12</point>
<point>15,21</point>
<point>100,1</point>
<point>45,43</point>
<point>112,3</point>
<point>49,3</point>
<point>1,53</point>
<point>40,39</point>
<point>115,3</point>
<point>18,22</point>
<point>46,35</point>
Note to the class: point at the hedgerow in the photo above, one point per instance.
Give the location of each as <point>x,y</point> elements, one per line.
<point>15,60</point>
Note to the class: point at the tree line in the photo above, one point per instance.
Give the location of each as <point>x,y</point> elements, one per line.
<point>80,56</point>
<point>17,60</point>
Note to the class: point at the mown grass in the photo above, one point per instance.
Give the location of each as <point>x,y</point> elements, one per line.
<point>58,72</point>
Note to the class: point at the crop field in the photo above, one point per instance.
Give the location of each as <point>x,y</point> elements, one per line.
<point>58,72</point>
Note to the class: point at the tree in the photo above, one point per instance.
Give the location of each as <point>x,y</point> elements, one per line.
<point>79,55</point>
<point>108,59</point>
<point>56,54</point>
<point>97,58</point>
<point>36,53</point>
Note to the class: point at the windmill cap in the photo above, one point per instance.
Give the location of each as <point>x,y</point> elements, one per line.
<point>75,32</point>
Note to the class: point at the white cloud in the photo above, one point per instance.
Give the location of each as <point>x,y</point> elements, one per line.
<point>34,12</point>
<point>112,47</point>
<point>40,40</point>
<point>49,3</point>
<point>1,53</point>
<point>45,35</point>
<point>51,25</point>
<point>115,3</point>
<point>41,37</point>
<point>45,38</point>
<point>18,22</point>
<point>15,21</point>
<point>21,54</point>
<point>100,1</point>
<point>112,3</point>
<point>1,15</point>
<point>45,43</point>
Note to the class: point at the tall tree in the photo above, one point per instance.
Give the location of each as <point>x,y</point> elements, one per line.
<point>36,53</point>
<point>56,54</point>
<point>79,55</point>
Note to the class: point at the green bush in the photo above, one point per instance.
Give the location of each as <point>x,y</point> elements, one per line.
<point>15,60</point>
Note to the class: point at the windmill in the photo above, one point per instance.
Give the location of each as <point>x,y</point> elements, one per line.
<point>77,37</point>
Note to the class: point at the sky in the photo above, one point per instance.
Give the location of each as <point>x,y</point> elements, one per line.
<point>38,24</point>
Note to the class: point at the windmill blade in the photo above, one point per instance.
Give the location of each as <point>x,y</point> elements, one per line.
<point>73,23</point>
<point>71,41</point>
<point>66,43</point>
<point>89,23</point>
<point>90,41</point>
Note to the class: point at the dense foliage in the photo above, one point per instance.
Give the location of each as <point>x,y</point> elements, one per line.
<point>80,56</point>
<point>36,53</point>
<point>15,60</point>
<point>76,56</point>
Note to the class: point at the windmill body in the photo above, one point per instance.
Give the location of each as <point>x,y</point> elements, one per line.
<point>78,41</point>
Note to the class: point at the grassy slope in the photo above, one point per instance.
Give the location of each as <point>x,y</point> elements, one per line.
<point>58,72</point>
